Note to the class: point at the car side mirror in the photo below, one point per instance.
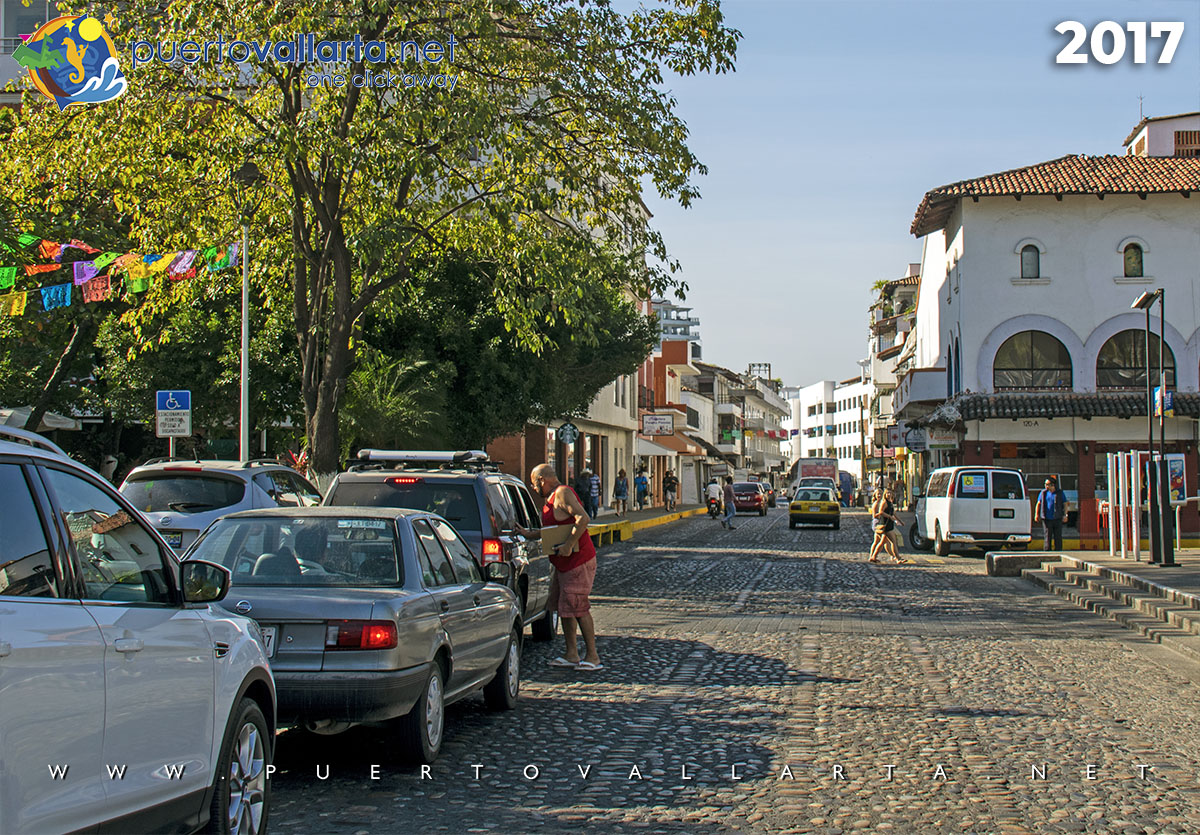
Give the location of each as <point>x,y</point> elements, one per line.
<point>203,581</point>
<point>498,572</point>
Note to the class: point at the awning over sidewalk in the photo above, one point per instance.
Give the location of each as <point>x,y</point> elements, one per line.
<point>645,447</point>
<point>678,444</point>
<point>18,416</point>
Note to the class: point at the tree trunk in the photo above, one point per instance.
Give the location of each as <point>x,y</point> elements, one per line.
<point>84,335</point>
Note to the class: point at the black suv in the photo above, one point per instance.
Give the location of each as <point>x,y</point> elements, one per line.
<point>491,510</point>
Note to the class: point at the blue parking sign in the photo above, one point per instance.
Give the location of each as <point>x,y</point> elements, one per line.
<point>174,401</point>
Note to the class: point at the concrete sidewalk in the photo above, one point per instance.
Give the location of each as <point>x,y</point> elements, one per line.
<point>609,527</point>
<point>1184,576</point>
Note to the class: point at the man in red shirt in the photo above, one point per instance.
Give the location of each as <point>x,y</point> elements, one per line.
<point>574,564</point>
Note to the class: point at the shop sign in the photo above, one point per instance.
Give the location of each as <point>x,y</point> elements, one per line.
<point>916,440</point>
<point>658,425</point>
<point>943,439</point>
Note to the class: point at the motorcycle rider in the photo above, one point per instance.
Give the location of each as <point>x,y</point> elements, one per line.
<point>712,494</point>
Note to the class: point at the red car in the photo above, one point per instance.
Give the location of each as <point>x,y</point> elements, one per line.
<point>749,497</point>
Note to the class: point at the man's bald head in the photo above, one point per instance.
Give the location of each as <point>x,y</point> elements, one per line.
<point>543,479</point>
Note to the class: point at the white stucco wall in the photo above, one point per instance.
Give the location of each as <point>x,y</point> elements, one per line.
<point>972,288</point>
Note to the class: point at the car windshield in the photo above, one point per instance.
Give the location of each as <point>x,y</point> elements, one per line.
<point>455,503</point>
<point>343,551</point>
<point>183,492</point>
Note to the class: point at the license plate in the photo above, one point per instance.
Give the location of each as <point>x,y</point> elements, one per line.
<point>173,538</point>
<point>1004,513</point>
<point>268,633</point>
<point>814,508</point>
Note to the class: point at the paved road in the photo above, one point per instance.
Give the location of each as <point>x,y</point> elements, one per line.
<point>768,680</point>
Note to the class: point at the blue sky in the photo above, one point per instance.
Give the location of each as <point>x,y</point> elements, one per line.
<point>842,114</point>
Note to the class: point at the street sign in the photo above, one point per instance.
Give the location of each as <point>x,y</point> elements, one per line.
<point>173,412</point>
<point>916,440</point>
<point>658,425</point>
<point>568,433</point>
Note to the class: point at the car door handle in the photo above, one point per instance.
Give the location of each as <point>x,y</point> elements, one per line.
<point>476,599</point>
<point>445,604</point>
<point>5,648</point>
<point>128,645</point>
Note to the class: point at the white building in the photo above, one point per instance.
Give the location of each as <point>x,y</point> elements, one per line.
<point>1023,318</point>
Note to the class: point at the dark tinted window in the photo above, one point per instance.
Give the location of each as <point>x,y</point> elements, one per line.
<point>118,555</point>
<point>304,551</point>
<point>1007,486</point>
<point>531,510</point>
<point>972,485</point>
<point>503,512</point>
<point>465,567</point>
<point>287,489</point>
<point>453,501</point>
<point>183,492</point>
<point>25,566</point>
<point>435,567</point>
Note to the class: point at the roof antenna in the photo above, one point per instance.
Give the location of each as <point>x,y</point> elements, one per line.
<point>1141,115</point>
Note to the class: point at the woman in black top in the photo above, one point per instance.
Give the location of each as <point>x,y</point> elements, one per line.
<point>884,522</point>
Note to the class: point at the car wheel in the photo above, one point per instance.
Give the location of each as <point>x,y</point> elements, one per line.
<point>792,525</point>
<point>940,546</point>
<point>241,792</point>
<point>502,691</point>
<point>421,728</point>
<point>837,526</point>
<point>545,627</point>
<point>918,542</point>
<point>762,511</point>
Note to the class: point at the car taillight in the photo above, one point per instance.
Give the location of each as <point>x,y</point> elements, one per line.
<point>953,487</point>
<point>183,469</point>
<point>399,480</point>
<point>493,551</point>
<point>360,634</point>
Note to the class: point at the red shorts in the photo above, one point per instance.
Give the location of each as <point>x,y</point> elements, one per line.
<point>570,590</point>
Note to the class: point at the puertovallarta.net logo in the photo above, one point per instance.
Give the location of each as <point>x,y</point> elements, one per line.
<point>72,60</point>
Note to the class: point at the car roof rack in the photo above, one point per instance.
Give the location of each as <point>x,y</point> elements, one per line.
<point>260,462</point>
<point>167,460</point>
<point>470,460</point>
<point>33,439</point>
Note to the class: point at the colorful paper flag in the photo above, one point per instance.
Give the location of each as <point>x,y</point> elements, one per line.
<point>8,277</point>
<point>35,269</point>
<point>50,251</point>
<point>26,239</point>
<point>122,261</point>
<point>85,271</point>
<point>56,296</point>
<point>182,263</point>
<point>98,289</point>
<point>219,261</point>
<point>78,244</point>
<point>161,262</point>
<point>138,284</point>
<point>13,304</point>
<point>105,259</point>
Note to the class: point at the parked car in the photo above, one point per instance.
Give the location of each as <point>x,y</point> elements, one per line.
<point>371,614</point>
<point>973,507</point>
<point>113,656</point>
<point>182,497</point>
<point>815,504</point>
<point>493,511</point>
<point>749,497</point>
<point>819,481</point>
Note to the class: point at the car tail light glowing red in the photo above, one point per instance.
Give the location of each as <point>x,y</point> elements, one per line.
<point>183,469</point>
<point>493,551</point>
<point>398,480</point>
<point>360,634</point>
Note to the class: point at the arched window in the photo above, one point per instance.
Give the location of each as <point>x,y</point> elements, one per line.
<point>1122,361</point>
<point>1133,261</point>
<point>1032,360</point>
<point>1031,262</point>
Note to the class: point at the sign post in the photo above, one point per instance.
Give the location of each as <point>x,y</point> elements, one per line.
<point>173,417</point>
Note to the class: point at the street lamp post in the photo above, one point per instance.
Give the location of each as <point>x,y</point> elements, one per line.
<point>1145,302</point>
<point>1166,518</point>
<point>246,176</point>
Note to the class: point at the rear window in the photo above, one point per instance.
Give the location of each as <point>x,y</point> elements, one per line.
<point>746,486</point>
<point>455,503</point>
<point>304,551</point>
<point>972,485</point>
<point>813,494</point>
<point>183,492</point>
<point>1007,486</point>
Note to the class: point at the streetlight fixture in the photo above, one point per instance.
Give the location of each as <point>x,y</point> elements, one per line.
<point>1159,517</point>
<point>246,176</point>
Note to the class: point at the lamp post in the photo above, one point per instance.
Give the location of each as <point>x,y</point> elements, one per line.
<point>1145,302</point>
<point>1166,517</point>
<point>246,176</point>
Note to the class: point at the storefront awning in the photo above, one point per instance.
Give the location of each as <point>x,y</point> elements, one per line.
<point>645,447</point>
<point>680,444</point>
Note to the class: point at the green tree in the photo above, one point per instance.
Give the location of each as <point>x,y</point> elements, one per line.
<point>558,117</point>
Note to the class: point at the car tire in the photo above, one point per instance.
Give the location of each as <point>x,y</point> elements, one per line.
<point>837,526</point>
<point>918,542</point>
<point>762,511</point>
<point>502,692</point>
<point>792,525</point>
<point>423,727</point>
<point>241,791</point>
<point>940,546</point>
<point>545,627</point>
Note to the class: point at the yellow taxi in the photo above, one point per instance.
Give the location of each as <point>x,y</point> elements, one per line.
<point>815,505</point>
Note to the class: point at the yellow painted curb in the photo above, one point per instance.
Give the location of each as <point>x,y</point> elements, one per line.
<point>643,524</point>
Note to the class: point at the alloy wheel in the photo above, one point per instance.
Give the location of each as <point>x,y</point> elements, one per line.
<point>247,782</point>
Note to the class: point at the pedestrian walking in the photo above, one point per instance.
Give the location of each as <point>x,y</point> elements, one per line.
<point>670,484</point>
<point>1050,508</point>
<point>621,492</point>
<point>730,504</point>
<point>594,493</point>
<point>883,521</point>
<point>641,486</point>
<point>574,562</point>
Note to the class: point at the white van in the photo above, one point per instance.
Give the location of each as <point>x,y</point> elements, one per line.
<point>974,507</point>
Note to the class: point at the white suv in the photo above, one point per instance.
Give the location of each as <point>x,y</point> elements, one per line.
<point>128,702</point>
<point>182,497</point>
<point>972,507</point>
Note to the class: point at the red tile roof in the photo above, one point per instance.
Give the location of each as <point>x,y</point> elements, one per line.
<point>1076,174</point>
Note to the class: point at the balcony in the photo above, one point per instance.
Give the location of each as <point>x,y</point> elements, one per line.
<point>729,406</point>
<point>919,385</point>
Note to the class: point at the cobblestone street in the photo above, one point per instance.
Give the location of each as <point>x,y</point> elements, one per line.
<point>770,680</point>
